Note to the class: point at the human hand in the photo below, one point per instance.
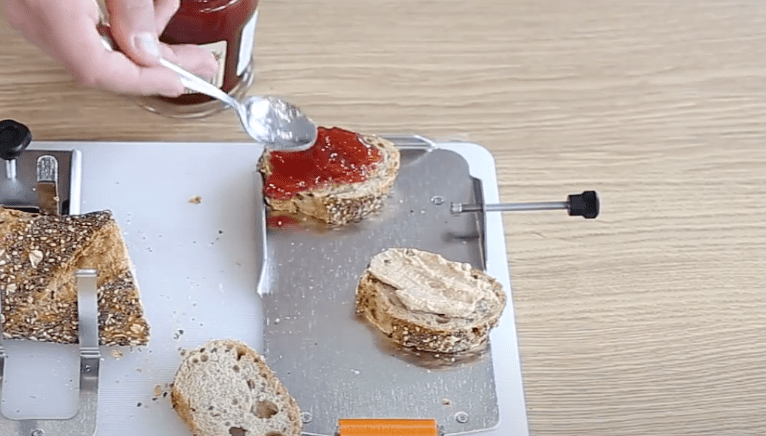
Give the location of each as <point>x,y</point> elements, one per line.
<point>66,31</point>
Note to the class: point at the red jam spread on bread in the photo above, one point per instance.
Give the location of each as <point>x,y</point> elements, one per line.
<point>338,157</point>
<point>280,221</point>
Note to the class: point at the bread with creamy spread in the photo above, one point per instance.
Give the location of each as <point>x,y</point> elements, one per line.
<point>342,203</point>
<point>225,388</point>
<point>423,301</point>
<point>39,256</point>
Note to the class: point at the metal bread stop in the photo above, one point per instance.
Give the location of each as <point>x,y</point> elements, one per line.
<point>83,423</point>
<point>48,182</point>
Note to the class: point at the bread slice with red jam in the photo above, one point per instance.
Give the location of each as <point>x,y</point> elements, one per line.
<point>343,178</point>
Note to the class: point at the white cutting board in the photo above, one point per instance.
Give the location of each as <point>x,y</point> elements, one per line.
<point>195,267</point>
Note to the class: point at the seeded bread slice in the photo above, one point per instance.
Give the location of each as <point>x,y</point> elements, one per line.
<point>341,204</point>
<point>423,301</point>
<point>224,388</point>
<point>39,256</point>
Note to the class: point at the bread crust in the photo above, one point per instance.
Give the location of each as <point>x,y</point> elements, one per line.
<point>468,332</point>
<point>212,396</point>
<point>39,256</point>
<point>341,204</point>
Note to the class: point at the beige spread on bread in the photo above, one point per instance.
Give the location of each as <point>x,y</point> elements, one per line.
<point>39,256</point>
<point>430,284</point>
<point>423,301</point>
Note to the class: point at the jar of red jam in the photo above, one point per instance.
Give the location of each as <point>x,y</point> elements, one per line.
<point>227,29</point>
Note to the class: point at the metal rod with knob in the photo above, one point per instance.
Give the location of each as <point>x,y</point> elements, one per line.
<point>585,205</point>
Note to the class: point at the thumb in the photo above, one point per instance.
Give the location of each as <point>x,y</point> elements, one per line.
<point>134,30</point>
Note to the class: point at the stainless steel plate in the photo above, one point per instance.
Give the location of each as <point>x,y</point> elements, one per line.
<point>334,363</point>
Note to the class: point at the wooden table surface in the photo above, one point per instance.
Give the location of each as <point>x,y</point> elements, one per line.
<point>648,320</point>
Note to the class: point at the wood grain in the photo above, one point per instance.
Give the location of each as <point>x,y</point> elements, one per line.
<point>649,320</point>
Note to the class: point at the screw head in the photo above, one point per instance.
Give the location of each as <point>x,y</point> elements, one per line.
<point>461,417</point>
<point>306,417</point>
<point>38,432</point>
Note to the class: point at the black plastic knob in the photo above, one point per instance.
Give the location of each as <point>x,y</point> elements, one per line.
<point>585,204</point>
<point>14,139</point>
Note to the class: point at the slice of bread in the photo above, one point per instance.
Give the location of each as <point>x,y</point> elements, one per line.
<point>340,204</point>
<point>224,388</point>
<point>39,256</point>
<point>423,301</point>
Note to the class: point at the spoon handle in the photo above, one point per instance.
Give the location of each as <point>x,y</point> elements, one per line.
<point>188,79</point>
<point>194,83</point>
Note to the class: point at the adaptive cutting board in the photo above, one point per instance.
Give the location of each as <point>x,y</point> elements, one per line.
<point>190,214</point>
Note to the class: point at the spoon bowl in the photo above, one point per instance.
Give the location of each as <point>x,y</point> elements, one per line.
<point>270,121</point>
<point>278,124</point>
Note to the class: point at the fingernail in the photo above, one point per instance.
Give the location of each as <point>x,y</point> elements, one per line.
<point>147,43</point>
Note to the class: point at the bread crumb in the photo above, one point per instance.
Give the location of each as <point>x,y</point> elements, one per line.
<point>157,390</point>
<point>446,401</point>
<point>195,200</point>
<point>117,354</point>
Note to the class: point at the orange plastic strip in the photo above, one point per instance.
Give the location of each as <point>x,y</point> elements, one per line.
<point>388,427</point>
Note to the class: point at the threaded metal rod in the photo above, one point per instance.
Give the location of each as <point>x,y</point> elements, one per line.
<point>509,207</point>
<point>10,169</point>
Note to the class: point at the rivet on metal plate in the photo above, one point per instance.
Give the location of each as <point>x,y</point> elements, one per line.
<point>437,200</point>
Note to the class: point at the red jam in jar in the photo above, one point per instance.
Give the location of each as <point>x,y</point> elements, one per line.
<point>227,29</point>
<point>337,157</point>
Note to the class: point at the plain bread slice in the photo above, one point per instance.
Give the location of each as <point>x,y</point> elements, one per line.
<point>224,388</point>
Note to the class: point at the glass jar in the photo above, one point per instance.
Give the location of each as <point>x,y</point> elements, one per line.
<point>227,29</point>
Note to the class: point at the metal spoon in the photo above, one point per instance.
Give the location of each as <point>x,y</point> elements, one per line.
<point>270,121</point>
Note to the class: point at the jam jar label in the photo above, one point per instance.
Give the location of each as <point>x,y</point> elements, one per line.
<point>246,44</point>
<point>219,52</point>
